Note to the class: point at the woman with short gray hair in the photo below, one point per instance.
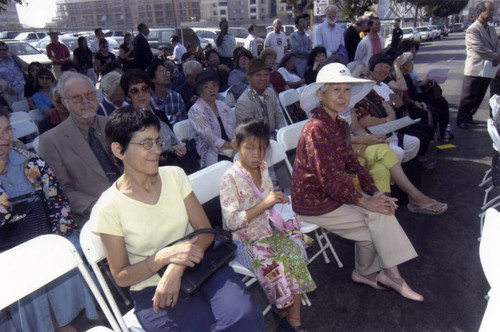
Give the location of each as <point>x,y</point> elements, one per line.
<point>113,95</point>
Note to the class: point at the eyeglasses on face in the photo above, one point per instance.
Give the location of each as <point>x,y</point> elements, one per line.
<point>78,99</point>
<point>4,49</point>
<point>148,143</point>
<point>135,91</point>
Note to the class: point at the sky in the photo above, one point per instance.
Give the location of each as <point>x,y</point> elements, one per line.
<point>36,12</point>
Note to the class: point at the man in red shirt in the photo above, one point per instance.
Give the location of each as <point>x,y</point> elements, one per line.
<point>57,52</point>
<point>372,44</point>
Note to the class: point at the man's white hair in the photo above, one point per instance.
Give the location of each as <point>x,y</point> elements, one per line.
<point>69,77</point>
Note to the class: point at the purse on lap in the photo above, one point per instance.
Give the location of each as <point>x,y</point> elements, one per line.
<point>218,254</point>
<point>28,220</point>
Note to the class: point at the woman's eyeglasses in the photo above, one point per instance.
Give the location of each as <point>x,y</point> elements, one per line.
<point>135,91</point>
<point>148,143</point>
<point>364,75</point>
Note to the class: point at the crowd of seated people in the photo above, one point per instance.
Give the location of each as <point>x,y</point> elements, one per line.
<point>109,152</point>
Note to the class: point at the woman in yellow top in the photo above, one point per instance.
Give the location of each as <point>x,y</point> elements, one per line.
<point>144,210</point>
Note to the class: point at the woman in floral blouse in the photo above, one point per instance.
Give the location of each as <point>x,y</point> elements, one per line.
<point>332,190</point>
<point>247,198</point>
<point>57,304</point>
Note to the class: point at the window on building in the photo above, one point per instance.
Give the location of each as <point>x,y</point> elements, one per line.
<point>253,2</point>
<point>223,3</point>
<point>222,12</point>
<point>253,10</point>
<point>263,10</point>
<point>253,17</point>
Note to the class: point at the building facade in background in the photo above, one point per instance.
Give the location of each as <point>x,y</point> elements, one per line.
<point>125,14</point>
<point>10,15</point>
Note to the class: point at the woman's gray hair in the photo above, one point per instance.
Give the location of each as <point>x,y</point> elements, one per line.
<point>362,20</point>
<point>355,67</point>
<point>110,82</point>
<point>190,66</point>
<point>69,76</point>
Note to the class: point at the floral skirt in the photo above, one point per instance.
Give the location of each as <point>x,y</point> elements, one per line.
<point>279,266</point>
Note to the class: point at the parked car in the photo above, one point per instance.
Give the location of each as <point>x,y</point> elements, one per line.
<point>30,37</point>
<point>444,30</point>
<point>28,53</point>
<point>9,34</point>
<point>241,34</point>
<point>70,42</point>
<point>287,29</point>
<point>117,35</point>
<point>261,31</point>
<point>408,33</point>
<point>457,27</point>
<point>159,38</point>
<point>425,34</point>
<point>209,34</point>
<point>436,30</point>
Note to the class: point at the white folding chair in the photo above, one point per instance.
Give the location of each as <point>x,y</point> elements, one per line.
<point>36,115</point>
<point>183,130</point>
<point>25,131</point>
<point>288,138</point>
<point>19,116</point>
<point>300,89</point>
<point>94,252</point>
<point>495,202</point>
<point>287,98</point>
<point>35,263</point>
<point>20,106</point>
<point>494,104</point>
<point>488,253</point>
<point>36,141</point>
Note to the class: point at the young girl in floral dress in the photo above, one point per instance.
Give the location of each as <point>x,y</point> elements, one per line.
<point>247,199</point>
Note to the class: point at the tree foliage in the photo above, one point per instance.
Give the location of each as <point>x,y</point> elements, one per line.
<point>4,3</point>
<point>354,8</point>
<point>443,8</point>
<point>299,6</point>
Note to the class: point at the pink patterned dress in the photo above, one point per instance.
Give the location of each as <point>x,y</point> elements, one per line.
<point>275,259</point>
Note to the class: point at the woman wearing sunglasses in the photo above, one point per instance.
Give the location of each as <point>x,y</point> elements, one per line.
<point>137,86</point>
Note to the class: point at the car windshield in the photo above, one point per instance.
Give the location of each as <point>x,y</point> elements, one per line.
<point>22,49</point>
<point>422,29</point>
<point>407,30</point>
<point>242,33</point>
<point>72,43</point>
<point>113,43</point>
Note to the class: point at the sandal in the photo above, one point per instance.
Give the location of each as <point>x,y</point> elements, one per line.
<point>426,209</point>
<point>285,326</point>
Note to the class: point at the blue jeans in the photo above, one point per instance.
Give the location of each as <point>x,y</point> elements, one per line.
<point>222,304</point>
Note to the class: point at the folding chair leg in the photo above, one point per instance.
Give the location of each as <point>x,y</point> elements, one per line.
<point>305,300</point>
<point>322,246</point>
<point>486,178</point>
<point>486,193</point>
<point>329,245</point>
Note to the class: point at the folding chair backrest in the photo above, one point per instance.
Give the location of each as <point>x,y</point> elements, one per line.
<point>288,97</point>
<point>23,128</point>
<point>493,132</point>
<point>183,130</point>
<point>19,116</point>
<point>490,247</point>
<point>206,181</point>
<point>36,115</point>
<point>35,263</point>
<point>20,106</point>
<point>35,143</point>
<point>288,138</point>
<point>94,252</point>
<point>300,89</point>
<point>274,154</point>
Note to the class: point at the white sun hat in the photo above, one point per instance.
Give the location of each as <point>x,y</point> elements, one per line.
<point>334,73</point>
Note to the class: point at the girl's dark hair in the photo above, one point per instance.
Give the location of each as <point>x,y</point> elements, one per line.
<point>251,128</point>
<point>68,65</point>
<point>153,68</point>
<point>286,58</point>
<point>111,66</point>
<point>242,53</point>
<point>43,71</point>
<point>125,36</point>
<point>379,58</point>
<point>31,65</point>
<point>315,51</point>
<point>134,76</point>
<point>210,52</point>
<point>103,42</point>
<point>124,122</point>
<point>80,40</point>
<point>406,45</point>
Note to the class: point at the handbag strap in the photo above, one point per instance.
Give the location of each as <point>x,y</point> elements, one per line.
<point>215,231</point>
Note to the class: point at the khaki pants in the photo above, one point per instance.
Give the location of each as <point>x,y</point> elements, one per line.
<point>380,241</point>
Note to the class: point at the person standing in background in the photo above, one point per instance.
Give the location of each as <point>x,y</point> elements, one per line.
<point>226,43</point>
<point>276,40</point>
<point>142,51</point>
<point>352,37</point>
<point>300,45</point>
<point>57,52</point>
<point>251,41</point>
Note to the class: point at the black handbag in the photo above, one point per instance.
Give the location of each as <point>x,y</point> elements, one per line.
<point>431,90</point>
<point>218,254</point>
<point>28,220</point>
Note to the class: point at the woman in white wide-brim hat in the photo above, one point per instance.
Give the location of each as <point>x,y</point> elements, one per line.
<point>332,190</point>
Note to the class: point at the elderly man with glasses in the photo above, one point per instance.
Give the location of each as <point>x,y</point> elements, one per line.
<point>76,149</point>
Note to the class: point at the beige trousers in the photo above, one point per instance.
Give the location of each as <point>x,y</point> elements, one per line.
<point>380,241</point>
